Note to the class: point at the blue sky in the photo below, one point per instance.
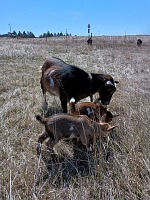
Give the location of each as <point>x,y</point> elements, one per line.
<point>106,17</point>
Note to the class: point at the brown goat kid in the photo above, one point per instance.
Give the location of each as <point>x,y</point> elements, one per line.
<point>62,126</point>
<point>94,110</point>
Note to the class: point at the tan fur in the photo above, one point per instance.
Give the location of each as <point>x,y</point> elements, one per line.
<point>50,78</point>
<point>62,126</point>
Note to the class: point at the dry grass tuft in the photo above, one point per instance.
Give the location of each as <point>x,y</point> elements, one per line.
<point>120,170</point>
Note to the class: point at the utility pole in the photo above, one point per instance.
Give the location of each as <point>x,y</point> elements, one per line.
<point>9,33</point>
<point>66,34</point>
<point>89,30</point>
<point>9,27</point>
<point>125,37</point>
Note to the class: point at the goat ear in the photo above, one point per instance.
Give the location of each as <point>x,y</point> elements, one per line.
<point>111,128</point>
<point>103,118</point>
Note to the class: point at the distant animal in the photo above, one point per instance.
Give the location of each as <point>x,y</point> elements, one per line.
<point>61,126</point>
<point>89,41</point>
<point>139,42</point>
<point>72,84</point>
<point>94,110</point>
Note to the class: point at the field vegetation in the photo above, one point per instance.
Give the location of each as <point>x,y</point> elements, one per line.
<point>118,170</point>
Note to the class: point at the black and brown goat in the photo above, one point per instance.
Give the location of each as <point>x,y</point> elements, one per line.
<point>139,42</point>
<point>71,83</point>
<point>61,126</point>
<point>89,41</point>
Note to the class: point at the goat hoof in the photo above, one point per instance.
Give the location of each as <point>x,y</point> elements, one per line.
<point>89,149</point>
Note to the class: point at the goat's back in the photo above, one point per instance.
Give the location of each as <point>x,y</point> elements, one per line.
<point>53,61</point>
<point>75,82</point>
<point>64,124</point>
<point>63,117</point>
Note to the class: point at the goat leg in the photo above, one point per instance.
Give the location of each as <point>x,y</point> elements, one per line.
<point>45,104</point>
<point>40,141</point>
<point>63,100</point>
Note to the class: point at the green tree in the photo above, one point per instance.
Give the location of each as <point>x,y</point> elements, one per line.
<point>19,34</point>
<point>30,34</point>
<point>14,34</point>
<point>24,34</point>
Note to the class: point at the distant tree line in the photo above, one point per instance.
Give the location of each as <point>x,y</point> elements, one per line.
<point>48,34</point>
<point>23,34</point>
<point>29,34</point>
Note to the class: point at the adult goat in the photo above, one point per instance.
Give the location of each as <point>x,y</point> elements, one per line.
<point>72,84</point>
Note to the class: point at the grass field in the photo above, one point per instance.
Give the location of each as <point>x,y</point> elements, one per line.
<point>121,170</point>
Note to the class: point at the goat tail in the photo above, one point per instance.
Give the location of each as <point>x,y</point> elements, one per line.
<point>41,119</point>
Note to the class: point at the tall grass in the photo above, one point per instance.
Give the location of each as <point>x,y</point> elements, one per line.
<point>120,170</point>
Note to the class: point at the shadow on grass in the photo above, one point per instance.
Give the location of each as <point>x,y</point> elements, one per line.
<point>62,170</point>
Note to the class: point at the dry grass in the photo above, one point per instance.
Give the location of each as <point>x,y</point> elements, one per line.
<point>121,171</point>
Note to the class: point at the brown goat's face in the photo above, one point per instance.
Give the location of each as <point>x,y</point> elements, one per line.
<point>106,127</point>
